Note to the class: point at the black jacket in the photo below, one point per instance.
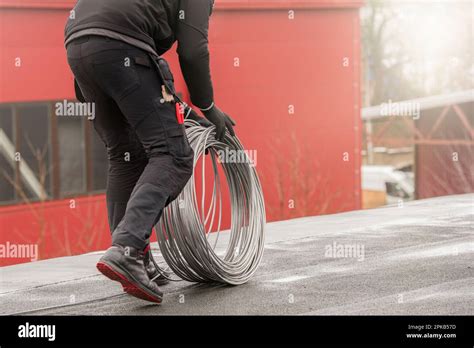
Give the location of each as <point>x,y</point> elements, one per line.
<point>159,23</point>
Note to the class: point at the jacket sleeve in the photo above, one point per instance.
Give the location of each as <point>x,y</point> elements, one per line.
<point>192,36</point>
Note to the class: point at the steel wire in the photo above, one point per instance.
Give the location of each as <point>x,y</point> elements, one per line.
<point>185,227</point>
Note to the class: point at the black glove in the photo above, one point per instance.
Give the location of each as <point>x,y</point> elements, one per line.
<point>221,120</point>
<point>201,120</point>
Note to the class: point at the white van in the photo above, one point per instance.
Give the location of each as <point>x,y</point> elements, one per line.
<point>383,185</point>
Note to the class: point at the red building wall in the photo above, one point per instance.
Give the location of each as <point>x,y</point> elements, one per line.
<point>308,160</point>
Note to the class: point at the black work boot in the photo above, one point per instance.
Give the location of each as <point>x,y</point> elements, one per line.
<point>160,278</point>
<point>125,265</point>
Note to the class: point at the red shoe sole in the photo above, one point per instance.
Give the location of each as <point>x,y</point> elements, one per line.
<point>129,287</point>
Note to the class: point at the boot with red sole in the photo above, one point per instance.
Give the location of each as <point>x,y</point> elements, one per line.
<point>126,266</point>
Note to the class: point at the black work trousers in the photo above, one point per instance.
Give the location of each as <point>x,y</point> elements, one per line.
<point>150,159</point>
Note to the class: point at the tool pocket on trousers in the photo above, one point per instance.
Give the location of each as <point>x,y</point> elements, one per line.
<point>178,144</point>
<point>167,74</point>
<point>175,133</point>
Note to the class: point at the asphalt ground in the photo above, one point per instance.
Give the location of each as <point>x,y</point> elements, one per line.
<point>413,259</point>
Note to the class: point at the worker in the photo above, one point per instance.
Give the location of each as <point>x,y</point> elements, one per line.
<point>112,49</point>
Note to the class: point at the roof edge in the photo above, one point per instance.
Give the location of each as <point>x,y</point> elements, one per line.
<point>431,102</point>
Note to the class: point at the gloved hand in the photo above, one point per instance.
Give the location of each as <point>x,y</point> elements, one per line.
<point>221,120</point>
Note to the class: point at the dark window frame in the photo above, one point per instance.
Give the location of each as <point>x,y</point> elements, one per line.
<point>53,154</point>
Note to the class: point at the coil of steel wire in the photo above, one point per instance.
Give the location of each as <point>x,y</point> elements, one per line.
<point>184,231</point>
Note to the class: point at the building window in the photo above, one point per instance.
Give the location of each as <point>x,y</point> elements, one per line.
<point>71,148</point>
<point>33,145</point>
<point>7,166</point>
<point>58,156</point>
